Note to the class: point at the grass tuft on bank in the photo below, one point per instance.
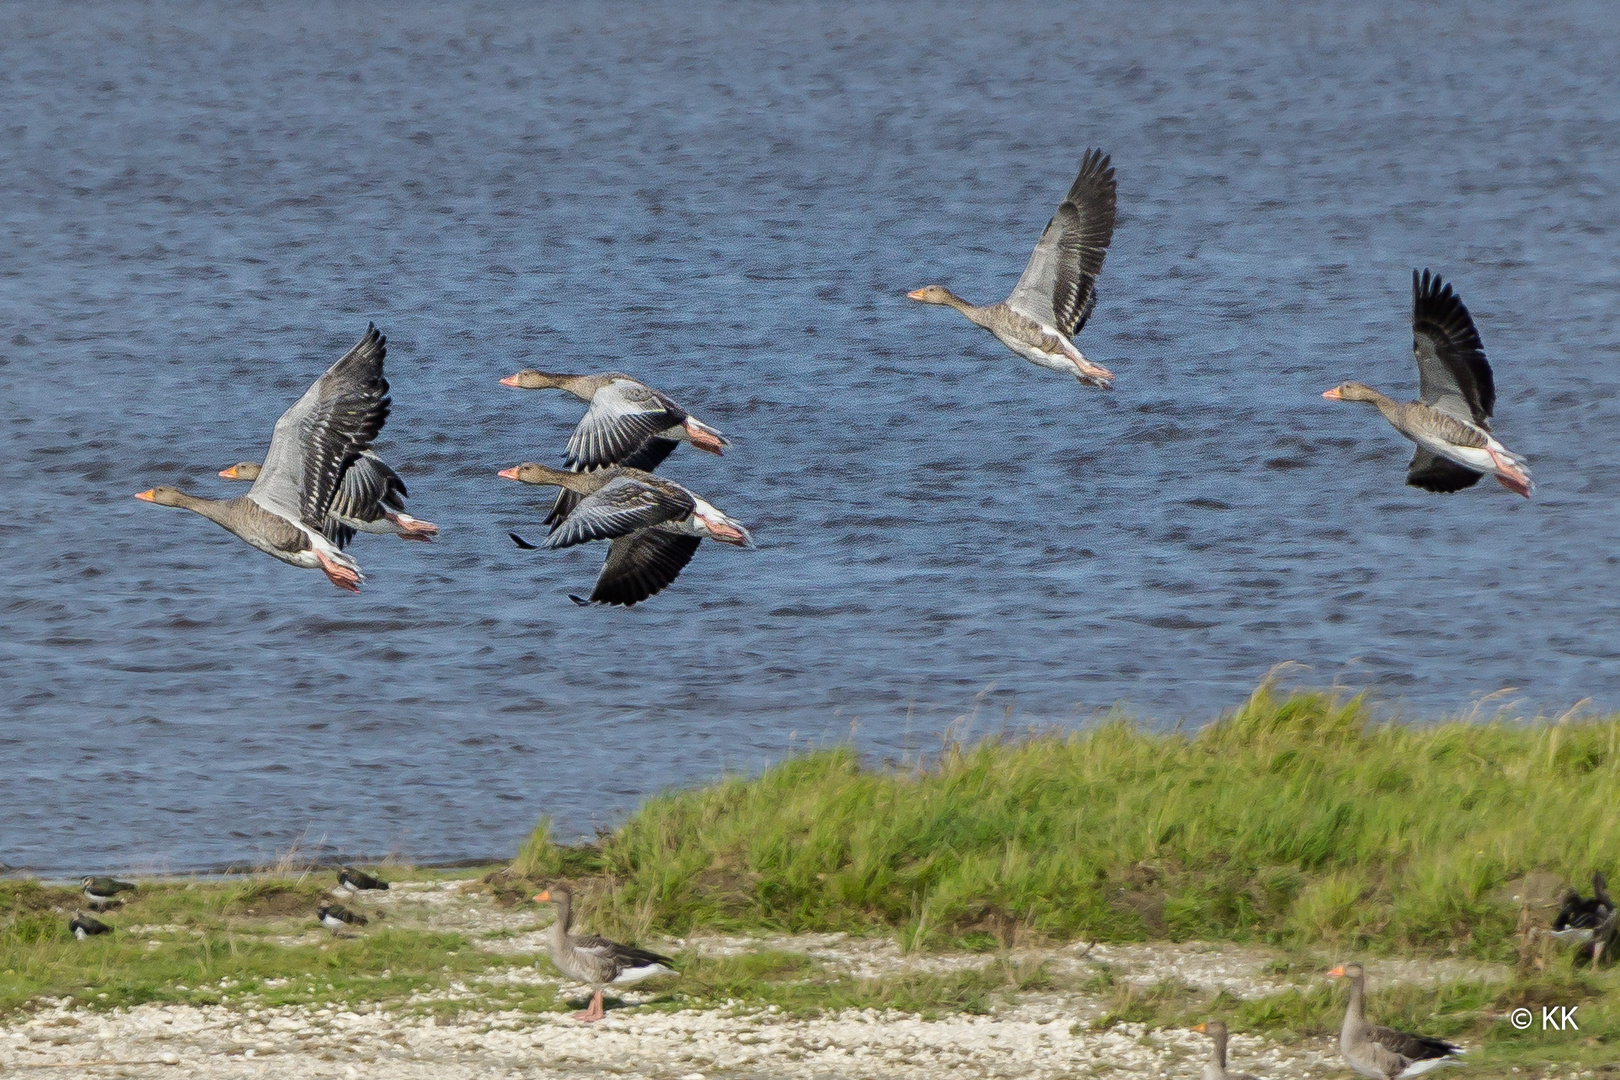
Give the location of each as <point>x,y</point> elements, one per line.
<point>1296,819</point>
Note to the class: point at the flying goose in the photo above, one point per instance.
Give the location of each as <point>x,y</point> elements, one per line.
<point>354,880</point>
<point>285,513</point>
<point>1379,1052</point>
<point>1215,1067</point>
<point>655,525</point>
<point>101,891</point>
<point>335,916</point>
<point>593,960</point>
<point>84,926</point>
<point>1450,421</point>
<point>628,423</point>
<point>1055,294</point>
<point>370,498</point>
<point>1588,923</point>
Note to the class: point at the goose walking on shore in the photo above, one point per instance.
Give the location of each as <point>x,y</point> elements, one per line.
<point>1383,1053</point>
<point>370,498</point>
<point>1215,1067</point>
<point>285,513</point>
<point>655,525</point>
<point>593,960</point>
<point>628,423</point>
<point>1055,295</point>
<point>1450,421</point>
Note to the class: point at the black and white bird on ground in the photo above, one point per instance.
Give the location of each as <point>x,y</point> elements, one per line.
<point>101,891</point>
<point>1590,925</point>
<point>335,916</point>
<point>352,880</point>
<point>84,926</point>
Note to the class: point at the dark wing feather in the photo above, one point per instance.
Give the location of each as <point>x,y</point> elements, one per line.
<point>1410,1046</point>
<point>1060,281</point>
<point>622,506</point>
<point>1434,473</point>
<point>623,956</point>
<point>642,565</point>
<point>1452,371</point>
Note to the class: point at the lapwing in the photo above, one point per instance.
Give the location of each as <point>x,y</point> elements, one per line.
<point>333,916</point>
<point>355,880</point>
<point>101,891</point>
<point>84,926</point>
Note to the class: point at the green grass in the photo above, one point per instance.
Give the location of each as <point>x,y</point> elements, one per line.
<point>1295,821</point>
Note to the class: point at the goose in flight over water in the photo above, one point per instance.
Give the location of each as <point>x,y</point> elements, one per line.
<point>1058,289</point>
<point>628,423</point>
<point>593,960</point>
<point>1383,1053</point>
<point>1451,420</point>
<point>370,498</point>
<point>286,513</point>
<point>655,525</point>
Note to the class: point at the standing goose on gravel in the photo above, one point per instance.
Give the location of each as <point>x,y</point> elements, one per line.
<point>1588,924</point>
<point>285,513</point>
<point>628,423</point>
<point>1215,1067</point>
<point>1450,421</point>
<point>596,961</point>
<point>101,891</point>
<point>1058,289</point>
<point>370,498</point>
<point>655,525</point>
<point>1379,1052</point>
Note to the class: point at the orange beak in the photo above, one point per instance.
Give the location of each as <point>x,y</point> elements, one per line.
<point>510,380</point>
<point>914,294</point>
<point>1198,1028</point>
<point>1337,973</point>
<point>544,896</point>
<point>1332,395</point>
<point>149,495</point>
<point>509,474</point>
<point>229,474</point>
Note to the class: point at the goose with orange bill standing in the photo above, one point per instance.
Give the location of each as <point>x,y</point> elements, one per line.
<point>1450,421</point>
<point>1382,1053</point>
<point>595,961</point>
<point>285,513</point>
<point>1058,288</point>
<point>1215,1067</point>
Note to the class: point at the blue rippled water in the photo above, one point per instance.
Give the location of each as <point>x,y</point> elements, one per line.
<point>199,210</point>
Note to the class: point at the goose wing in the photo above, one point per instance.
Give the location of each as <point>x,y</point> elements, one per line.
<point>622,506</point>
<point>368,490</point>
<point>1453,374</point>
<point>651,455</point>
<point>317,439</point>
<point>620,956</point>
<point>1059,284</point>
<point>623,415</point>
<point>1406,1046</point>
<point>1434,473</point>
<point>642,564</point>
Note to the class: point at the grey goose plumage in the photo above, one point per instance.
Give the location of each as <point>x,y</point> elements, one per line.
<point>1058,288</point>
<point>285,512</point>
<point>370,498</point>
<point>655,526</point>
<point>593,960</point>
<point>1382,1053</point>
<point>628,423</point>
<point>1451,421</point>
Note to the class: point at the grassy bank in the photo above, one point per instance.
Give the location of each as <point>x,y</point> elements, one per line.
<point>1294,820</point>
